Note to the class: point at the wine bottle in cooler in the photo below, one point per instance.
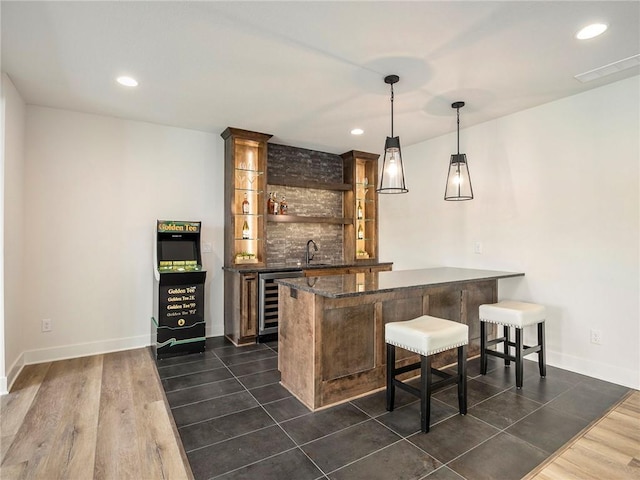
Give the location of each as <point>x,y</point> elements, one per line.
<point>360,233</point>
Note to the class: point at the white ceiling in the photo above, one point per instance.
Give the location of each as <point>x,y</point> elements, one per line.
<point>309,72</point>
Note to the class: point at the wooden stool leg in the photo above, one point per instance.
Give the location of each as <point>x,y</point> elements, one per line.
<point>462,379</point>
<point>391,365</point>
<point>519,359</point>
<point>425,388</point>
<point>507,339</point>
<point>542,365</point>
<point>483,348</point>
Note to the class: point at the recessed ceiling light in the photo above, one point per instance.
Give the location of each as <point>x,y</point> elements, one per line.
<point>127,81</point>
<point>591,31</point>
<point>357,131</point>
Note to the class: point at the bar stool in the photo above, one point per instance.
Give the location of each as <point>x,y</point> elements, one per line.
<point>510,313</point>
<point>426,336</point>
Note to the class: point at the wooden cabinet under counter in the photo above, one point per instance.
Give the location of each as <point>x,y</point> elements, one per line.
<point>331,344</point>
<point>241,307</point>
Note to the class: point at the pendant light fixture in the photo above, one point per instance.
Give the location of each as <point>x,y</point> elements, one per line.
<point>392,175</point>
<point>458,179</point>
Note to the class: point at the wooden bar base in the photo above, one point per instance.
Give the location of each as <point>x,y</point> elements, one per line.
<point>333,349</point>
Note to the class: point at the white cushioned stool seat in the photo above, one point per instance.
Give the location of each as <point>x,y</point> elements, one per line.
<point>427,335</point>
<point>512,313</point>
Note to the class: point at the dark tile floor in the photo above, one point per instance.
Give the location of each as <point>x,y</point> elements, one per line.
<point>237,422</point>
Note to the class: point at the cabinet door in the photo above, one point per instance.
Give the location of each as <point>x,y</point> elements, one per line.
<point>249,305</point>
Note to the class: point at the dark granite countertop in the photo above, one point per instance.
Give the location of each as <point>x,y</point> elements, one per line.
<point>339,286</point>
<point>290,267</point>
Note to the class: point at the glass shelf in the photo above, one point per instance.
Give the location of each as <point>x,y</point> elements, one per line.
<point>248,170</point>
<point>241,189</point>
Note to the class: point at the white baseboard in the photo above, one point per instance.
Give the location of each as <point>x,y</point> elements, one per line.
<point>603,371</point>
<point>84,349</point>
<point>65,352</point>
<point>14,371</point>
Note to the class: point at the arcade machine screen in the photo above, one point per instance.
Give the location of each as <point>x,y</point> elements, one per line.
<point>177,255</point>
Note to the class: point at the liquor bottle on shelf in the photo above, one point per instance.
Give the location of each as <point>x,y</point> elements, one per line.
<point>283,206</point>
<point>360,233</point>
<point>359,214</point>
<point>245,205</point>
<point>270,204</point>
<point>245,230</point>
<point>276,205</point>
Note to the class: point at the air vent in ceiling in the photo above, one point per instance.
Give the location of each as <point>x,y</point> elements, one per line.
<point>614,67</point>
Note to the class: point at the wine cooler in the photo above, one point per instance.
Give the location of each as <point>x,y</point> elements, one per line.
<point>268,300</point>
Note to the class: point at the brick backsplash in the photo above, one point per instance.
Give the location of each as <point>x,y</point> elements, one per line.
<point>286,242</point>
<point>309,201</point>
<point>302,164</point>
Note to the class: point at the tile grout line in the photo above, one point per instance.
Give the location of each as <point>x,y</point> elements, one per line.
<point>279,426</point>
<point>208,400</point>
<point>370,417</point>
<point>504,430</point>
<point>570,384</point>
<point>368,455</point>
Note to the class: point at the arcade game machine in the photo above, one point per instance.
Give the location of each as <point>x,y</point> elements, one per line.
<point>178,323</point>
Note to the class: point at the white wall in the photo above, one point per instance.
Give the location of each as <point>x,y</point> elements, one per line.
<point>553,199</point>
<point>95,187</point>
<point>557,197</point>
<point>12,226</point>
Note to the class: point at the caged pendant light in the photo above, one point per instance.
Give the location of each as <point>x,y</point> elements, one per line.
<point>458,179</point>
<point>392,175</point>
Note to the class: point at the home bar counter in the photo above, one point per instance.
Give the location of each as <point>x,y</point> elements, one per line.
<point>331,345</point>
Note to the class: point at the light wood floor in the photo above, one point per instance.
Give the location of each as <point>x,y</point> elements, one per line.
<point>100,417</point>
<point>608,450</point>
<point>106,417</point>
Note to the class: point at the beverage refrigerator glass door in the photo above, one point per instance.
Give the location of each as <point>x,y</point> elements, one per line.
<point>268,299</point>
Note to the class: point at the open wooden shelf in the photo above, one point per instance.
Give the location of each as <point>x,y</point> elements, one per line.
<point>308,219</point>
<point>343,187</point>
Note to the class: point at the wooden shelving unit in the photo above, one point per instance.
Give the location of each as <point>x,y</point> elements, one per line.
<point>361,204</point>
<point>245,248</point>
<point>245,174</point>
<point>245,178</point>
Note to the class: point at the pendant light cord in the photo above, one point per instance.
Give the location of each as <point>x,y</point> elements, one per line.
<point>392,110</point>
<point>458,131</point>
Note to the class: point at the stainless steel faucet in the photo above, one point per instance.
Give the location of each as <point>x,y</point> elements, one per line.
<point>308,255</point>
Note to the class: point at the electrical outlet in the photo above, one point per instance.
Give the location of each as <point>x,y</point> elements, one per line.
<point>46,325</point>
<point>596,337</point>
<point>477,247</point>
